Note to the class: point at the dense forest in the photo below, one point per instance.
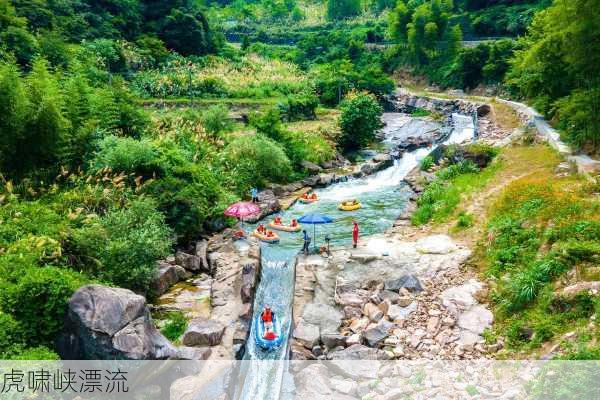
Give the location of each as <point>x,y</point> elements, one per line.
<point>98,182</point>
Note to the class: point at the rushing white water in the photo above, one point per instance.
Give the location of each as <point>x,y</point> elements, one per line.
<point>383,197</point>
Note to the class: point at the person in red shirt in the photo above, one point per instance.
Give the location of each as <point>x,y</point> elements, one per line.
<point>267,319</point>
<point>355,234</point>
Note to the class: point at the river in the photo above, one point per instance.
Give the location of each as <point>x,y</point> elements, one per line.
<point>383,197</point>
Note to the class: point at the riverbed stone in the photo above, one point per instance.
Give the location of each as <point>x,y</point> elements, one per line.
<point>388,295</point>
<point>397,312</point>
<point>476,319</point>
<point>375,335</point>
<point>188,261</point>
<point>409,282</point>
<point>166,276</point>
<point>333,340</point>
<point>203,332</point>
<point>193,353</point>
<point>311,167</point>
<point>326,317</point>
<point>307,334</point>
<point>373,312</point>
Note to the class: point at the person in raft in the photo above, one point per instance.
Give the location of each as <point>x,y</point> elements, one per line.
<point>313,196</point>
<point>277,220</point>
<point>261,229</point>
<point>267,319</point>
<point>294,223</point>
<point>355,234</point>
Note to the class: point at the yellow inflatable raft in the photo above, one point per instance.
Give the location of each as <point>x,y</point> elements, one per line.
<point>268,239</point>
<point>285,228</point>
<point>349,206</point>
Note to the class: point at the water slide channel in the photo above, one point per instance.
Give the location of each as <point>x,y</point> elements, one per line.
<point>383,197</point>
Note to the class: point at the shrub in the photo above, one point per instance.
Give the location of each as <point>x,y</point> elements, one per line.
<point>123,154</point>
<point>122,247</point>
<point>299,107</point>
<point>360,119</point>
<point>38,301</point>
<point>465,220</point>
<point>427,163</point>
<point>215,120</point>
<point>35,353</point>
<point>175,326</point>
<point>11,335</point>
<point>420,112</point>
<point>463,167</point>
<point>255,160</point>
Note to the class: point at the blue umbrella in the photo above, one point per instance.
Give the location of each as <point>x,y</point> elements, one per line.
<point>315,219</point>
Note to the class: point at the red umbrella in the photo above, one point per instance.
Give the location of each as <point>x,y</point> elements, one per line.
<point>242,209</point>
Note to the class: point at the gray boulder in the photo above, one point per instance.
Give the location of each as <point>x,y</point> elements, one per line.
<point>409,282</point>
<point>188,261</point>
<point>106,323</point>
<point>203,332</point>
<point>312,168</point>
<point>333,340</point>
<point>166,276</point>
<point>358,352</point>
<point>375,335</point>
<point>307,334</point>
<point>193,353</point>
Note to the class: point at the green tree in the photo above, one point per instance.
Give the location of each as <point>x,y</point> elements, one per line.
<point>360,119</point>
<point>341,9</point>
<point>187,32</point>
<point>399,17</point>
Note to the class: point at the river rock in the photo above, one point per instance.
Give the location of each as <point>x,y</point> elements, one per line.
<point>359,352</point>
<point>373,312</point>
<point>460,297</point>
<point>396,312</point>
<point>307,334</point>
<point>201,248</point>
<point>166,276</point>
<point>325,179</point>
<point>193,353</point>
<point>106,323</point>
<point>352,312</point>
<point>203,332</point>
<point>310,167</point>
<point>333,340</point>
<point>326,317</point>
<point>409,282</point>
<point>188,261</point>
<point>476,319</point>
<point>375,335</point>
<point>435,244</point>
<point>312,382</point>
<point>388,295</point>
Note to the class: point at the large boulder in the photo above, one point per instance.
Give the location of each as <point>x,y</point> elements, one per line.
<point>409,282</point>
<point>203,332</point>
<point>188,261</point>
<point>166,276</point>
<point>310,167</point>
<point>110,323</point>
<point>307,334</point>
<point>435,244</point>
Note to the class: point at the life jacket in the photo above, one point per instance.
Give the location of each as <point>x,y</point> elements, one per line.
<point>313,196</point>
<point>267,315</point>
<point>294,222</point>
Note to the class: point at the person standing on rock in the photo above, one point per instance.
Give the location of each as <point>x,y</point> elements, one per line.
<point>306,242</point>
<point>254,194</point>
<point>355,234</point>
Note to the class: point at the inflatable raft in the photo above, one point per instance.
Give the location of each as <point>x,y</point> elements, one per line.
<point>346,206</point>
<point>259,334</point>
<point>307,200</point>
<point>265,238</point>
<point>285,228</point>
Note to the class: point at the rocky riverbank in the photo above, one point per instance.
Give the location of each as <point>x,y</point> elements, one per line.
<point>391,298</point>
